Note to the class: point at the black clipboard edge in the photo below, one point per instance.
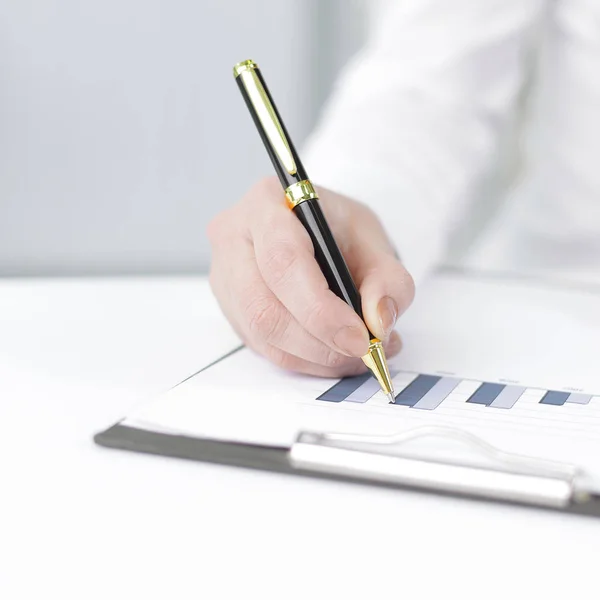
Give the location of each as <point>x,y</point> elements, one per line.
<point>269,458</point>
<point>122,437</point>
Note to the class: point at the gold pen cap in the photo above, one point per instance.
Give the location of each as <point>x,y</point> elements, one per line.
<point>269,123</point>
<point>245,65</point>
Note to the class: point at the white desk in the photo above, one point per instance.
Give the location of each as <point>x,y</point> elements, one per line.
<point>78,521</point>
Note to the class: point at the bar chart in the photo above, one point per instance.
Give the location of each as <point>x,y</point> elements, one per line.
<point>427,392</point>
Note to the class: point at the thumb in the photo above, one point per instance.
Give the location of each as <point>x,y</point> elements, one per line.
<point>386,289</point>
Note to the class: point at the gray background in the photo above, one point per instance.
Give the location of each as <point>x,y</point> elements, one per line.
<point>122,131</point>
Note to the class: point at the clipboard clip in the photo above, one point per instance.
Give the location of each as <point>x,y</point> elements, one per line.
<point>511,477</point>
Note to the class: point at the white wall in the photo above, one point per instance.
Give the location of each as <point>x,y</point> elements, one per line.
<point>122,130</point>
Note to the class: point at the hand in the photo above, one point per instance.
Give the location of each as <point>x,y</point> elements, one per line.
<point>269,286</point>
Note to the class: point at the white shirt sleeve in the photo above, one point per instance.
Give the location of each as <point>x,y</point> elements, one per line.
<point>414,119</point>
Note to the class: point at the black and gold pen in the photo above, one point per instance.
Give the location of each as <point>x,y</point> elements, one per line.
<point>303,200</point>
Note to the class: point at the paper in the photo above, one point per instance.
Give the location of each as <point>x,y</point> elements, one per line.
<point>510,362</point>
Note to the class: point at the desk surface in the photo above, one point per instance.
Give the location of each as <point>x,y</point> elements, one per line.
<point>79,521</point>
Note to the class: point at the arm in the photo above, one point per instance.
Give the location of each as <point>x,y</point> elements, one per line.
<point>414,121</point>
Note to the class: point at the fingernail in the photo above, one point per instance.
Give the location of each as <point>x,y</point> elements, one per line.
<point>388,313</point>
<point>352,341</point>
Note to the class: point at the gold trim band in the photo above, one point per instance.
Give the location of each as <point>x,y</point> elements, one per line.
<point>246,65</point>
<point>299,192</point>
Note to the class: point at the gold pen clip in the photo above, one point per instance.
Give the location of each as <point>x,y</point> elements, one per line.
<point>266,113</point>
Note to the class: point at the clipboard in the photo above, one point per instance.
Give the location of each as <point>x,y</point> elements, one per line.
<point>380,461</point>
<point>522,311</point>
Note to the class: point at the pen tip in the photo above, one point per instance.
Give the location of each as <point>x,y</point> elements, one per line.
<point>391,398</point>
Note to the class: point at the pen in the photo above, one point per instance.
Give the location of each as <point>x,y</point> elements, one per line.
<point>303,201</point>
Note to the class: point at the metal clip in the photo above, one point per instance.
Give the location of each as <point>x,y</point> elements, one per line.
<point>517,478</point>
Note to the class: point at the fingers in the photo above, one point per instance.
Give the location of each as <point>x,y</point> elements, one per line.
<point>350,367</point>
<point>387,290</point>
<point>271,289</point>
<point>386,287</point>
<point>262,321</point>
<point>280,338</point>
<point>393,345</point>
<point>285,259</point>
<point>285,360</point>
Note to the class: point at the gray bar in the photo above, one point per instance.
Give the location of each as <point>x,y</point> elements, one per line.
<point>415,390</point>
<point>343,388</point>
<point>555,398</point>
<point>486,393</point>
<point>437,394</point>
<point>579,398</point>
<point>367,390</point>
<point>508,396</point>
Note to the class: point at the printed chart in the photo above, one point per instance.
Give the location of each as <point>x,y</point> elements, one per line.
<point>427,392</point>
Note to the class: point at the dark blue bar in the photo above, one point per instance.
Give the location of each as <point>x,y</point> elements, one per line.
<point>555,398</point>
<point>486,393</point>
<point>343,388</point>
<point>415,390</point>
